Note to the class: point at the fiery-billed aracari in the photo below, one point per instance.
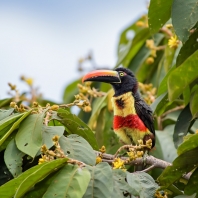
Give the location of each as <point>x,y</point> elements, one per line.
<point>133,118</point>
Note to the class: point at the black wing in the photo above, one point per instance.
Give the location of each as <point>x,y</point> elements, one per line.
<point>145,113</point>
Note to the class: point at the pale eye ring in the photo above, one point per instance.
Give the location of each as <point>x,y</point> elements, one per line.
<point>121,74</point>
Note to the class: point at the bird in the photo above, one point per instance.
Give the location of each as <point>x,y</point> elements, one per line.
<point>133,118</point>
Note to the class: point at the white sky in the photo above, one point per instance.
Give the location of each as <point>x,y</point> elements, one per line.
<point>44,39</point>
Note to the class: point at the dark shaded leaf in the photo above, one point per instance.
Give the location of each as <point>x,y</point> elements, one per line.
<point>183,164</point>
<point>186,196</point>
<point>5,102</point>
<point>158,14</point>
<point>184,17</point>
<point>71,181</point>
<point>13,158</point>
<point>101,184</point>
<point>75,125</point>
<point>76,147</point>
<point>192,184</point>
<point>182,126</point>
<point>194,103</point>
<point>189,47</point>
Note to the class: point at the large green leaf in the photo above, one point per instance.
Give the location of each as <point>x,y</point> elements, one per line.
<point>76,126</point>
<point>5,113</point>
<point>184,17</point>
<point>182,76</point>
<point>70,91</point>
<point>182,126</point>
<point>192,184</point>
<point>14,126</point>
<point>191,142</point>
<point>159,13</point>
<point>120,186</point>
<point>189,47</point>
<point>29,138</point>
<point>20,185</point>
<point>71,181</point>
<point>181,165</point>
<point>78,148</point>
<point>13,158</point>
<point>194,103</point>
<point>143,184</point>
<point>101,183</point>
<point>41,187</point>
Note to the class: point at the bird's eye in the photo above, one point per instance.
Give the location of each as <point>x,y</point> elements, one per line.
<point>121,74</point>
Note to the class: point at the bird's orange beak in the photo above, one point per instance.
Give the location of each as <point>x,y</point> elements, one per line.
<point>108,76</point>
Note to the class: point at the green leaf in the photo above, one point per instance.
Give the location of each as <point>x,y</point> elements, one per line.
<point>163,85</point>
<point>143,53</point>
<point>76,126</point>
<point>192,184</point>
<point>182,76</point>
<point>71,181</point>
<point>7,141</point>
<point>186,95</point>
<point>29,137</point>
<point>70,91</point>
<point>194,103</point>
<point>158,14</point>
<point>120,186</point>
<point>184,17</point>
<point>76,147</point>
<point>165,138</point>
<point>13,158</point>
<point>5,102</point>
<point>189,47</point>
<point>186,196</point>
<point>49,132</point>
<point>5,113</point>
<point>160,103</point>
<point>169,58</point>
<point>101,184</point>
<point>182,126</point>
<point>183,164</point>
<point>143,184</point>
<point>191,142</point>
<point>41,187</point>
<point>14,126</point>
<point>129,51</point>
<point>20,185</point>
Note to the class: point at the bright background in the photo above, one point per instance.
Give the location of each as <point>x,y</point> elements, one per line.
<point>44,39</point>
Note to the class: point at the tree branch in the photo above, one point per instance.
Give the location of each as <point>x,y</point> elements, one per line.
<point>149,160</point>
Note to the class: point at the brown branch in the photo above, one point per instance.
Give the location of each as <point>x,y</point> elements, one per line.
<point>166,31</point>
<point>149,160</point>
<point>172,110</point>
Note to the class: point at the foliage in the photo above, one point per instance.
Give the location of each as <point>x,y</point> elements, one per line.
<point>47,151</point>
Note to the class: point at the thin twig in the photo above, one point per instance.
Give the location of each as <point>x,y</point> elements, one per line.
<point>172,110</point>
